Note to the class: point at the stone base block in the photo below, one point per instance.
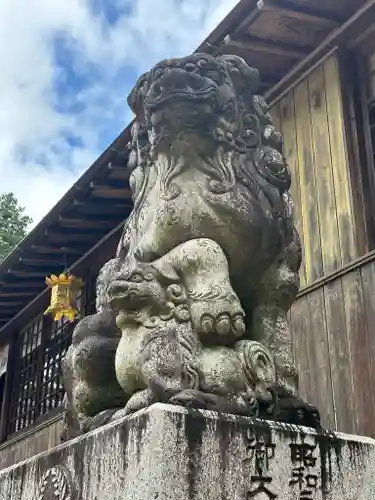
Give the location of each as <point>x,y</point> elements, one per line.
<point>170,453</point>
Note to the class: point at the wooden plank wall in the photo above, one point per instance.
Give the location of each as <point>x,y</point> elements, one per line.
<point>44,438</point>
<point>370,73</point>
<point>311,119</point>
<point>333,329</point>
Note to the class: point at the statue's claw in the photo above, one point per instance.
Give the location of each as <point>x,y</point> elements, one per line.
<point>191,398</point>
<point>295,411</point>
<point>224,317</point>
<point>224,324</point>
<point>138,401</point>
<point>90,423</point>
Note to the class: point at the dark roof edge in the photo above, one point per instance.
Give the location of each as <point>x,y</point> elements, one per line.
<point>226,24</point>
<point>80,185</point>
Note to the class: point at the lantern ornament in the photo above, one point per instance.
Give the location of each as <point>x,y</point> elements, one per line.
<point>64,290</point>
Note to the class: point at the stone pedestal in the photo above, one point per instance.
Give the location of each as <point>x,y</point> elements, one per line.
<point>168,452</point>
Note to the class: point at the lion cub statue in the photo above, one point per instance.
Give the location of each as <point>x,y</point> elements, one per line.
<point>195,301</point>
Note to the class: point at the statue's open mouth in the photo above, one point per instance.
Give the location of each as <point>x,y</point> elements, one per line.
<point>124,292</point>
<point>176,84</point>
<point>154,104</point>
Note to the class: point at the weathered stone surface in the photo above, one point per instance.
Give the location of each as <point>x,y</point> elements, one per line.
<point>207,266</point>
<point>168,452</point>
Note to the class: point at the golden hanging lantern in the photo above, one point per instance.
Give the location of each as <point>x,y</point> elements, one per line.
<point>64,290</point>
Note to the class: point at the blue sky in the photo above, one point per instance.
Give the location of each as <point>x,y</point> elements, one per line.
<point>66,69</point>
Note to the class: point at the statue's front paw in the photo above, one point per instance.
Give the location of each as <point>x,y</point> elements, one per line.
<point>221,316</point>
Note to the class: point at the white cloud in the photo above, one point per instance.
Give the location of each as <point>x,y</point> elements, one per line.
<point>36,160</point>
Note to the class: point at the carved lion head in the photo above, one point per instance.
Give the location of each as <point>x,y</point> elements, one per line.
<point>197,95</point>
<point>209,106</point>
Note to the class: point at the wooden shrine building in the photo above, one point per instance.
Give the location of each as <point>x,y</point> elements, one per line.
<point>317,62</point>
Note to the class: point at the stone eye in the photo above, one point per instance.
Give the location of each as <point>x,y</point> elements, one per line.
<point>136,278</point>
<point>158,88</point>
<point>190,67</point>
<point>201,63</point>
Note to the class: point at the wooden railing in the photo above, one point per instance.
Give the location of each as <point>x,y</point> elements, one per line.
<point>30,443</point>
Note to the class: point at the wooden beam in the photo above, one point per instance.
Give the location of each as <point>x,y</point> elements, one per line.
<point>45,249</point>
<point>123,152</point>
<point>283,8</point>
<point>339,16</point>
<point>115,212</point>
<point>73,231</point>
<point>116,166</point>
<point>23,284</point>
<point>72,235</point>
<point>114,194</point>
<point>8,316</point>
<point>286,25</point>
<point>34,261</point>
<point>27,274</point>
<point>104,191</point>
<point>251,43</point>
<point>76,222</point>
<point>105,206</point>
<point>247,20</point>
<point>108,183</point>
<point>348,268</point>
<point>87,238</point>
<point>11,304</point>
<point>118,174</point>
<point>15,294</point>
<point>110,217</point>
<point>358,23</point>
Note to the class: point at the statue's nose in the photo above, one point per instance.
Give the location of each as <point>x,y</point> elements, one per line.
<point>175,79</point>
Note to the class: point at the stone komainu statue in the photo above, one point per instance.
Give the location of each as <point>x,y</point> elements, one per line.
<point>192,310</point>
